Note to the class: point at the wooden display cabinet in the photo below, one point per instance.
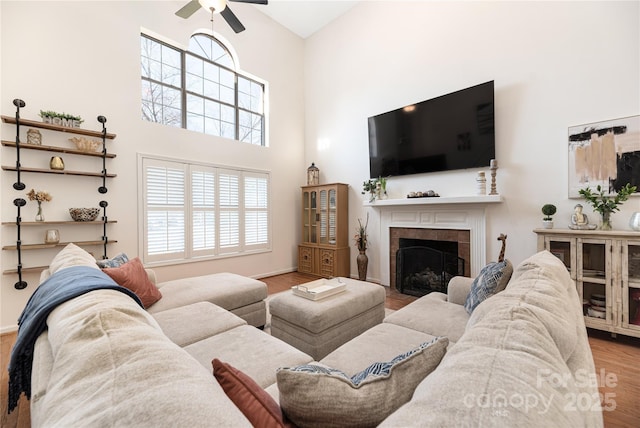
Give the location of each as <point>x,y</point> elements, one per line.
<point>601,263</point>
<point>324,250</point>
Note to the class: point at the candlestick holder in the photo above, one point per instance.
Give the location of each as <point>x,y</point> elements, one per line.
<point>494,168</point>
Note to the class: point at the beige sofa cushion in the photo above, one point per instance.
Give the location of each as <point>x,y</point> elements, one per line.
<point>70,255</point>
<point>113,366</point>
<point>249,350</point>
<point>227,290</point>
<point>317,396</point>
<point>432,314</point>
<point>192,323</point>
<point>502,370</point>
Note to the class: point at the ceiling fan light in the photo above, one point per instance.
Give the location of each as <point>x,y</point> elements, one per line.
<point>217,5</point>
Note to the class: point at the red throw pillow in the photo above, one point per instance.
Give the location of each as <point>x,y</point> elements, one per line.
<point>132,275</point>
<point>253,401</point>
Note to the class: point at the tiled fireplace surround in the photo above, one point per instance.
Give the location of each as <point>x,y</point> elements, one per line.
<point>447,219</point>
<point>449,235</point>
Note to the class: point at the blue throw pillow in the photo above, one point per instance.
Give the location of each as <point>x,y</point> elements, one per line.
<point>114,262</point>
<point>492,279</point>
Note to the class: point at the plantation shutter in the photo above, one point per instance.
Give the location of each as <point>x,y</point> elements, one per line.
<point>164,220</point>
<point>229,211</point>
<point>203,227</point>
<point>256,210</point>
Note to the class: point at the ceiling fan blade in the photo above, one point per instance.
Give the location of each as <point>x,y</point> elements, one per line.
<point>232,20</point>
<point>188,9</point>
<point>252,1</point>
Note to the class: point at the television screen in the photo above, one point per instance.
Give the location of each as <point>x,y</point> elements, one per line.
<point>450,132</point>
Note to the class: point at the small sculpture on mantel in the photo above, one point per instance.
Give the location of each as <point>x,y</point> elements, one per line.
<point>579,220</point>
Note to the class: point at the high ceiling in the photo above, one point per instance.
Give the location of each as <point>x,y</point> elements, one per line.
<point>305,17</point>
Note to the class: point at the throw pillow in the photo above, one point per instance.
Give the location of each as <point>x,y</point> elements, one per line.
<point>253,401</point>
<point>132,275</point>
<point>69,256</point>
<point>317,396</point>
<point>492,279</point>
<point>115,261</point>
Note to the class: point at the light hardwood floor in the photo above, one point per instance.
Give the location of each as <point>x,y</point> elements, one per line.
<point>617,358</point>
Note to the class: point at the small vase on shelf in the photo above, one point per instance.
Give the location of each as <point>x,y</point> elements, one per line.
<point>363,261</point>
<point>39,215</point>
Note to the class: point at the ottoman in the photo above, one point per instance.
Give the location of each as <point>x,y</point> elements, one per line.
<point>317,327</point>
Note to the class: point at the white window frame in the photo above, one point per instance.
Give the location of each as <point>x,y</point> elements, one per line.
<point>218,210</point>
<point>167,97</point>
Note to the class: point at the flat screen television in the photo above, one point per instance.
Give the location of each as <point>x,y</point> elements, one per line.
<point>450,132</point>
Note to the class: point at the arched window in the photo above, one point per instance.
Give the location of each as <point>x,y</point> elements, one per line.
<point>201,89</point>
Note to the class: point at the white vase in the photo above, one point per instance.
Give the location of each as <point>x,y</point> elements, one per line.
<point>634,221</point>
<point>547,224</point>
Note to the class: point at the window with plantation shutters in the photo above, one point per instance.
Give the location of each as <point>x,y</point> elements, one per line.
<point>195,211</point>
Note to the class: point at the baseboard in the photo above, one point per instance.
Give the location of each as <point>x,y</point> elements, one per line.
<point>9,329</point>
<point>274,273</point>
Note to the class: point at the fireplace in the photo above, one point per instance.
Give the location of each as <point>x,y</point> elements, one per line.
<point>431,258</point>
<point>423,266</point>
<point>443,216</point>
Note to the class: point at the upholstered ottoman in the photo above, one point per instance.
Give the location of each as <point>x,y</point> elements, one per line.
<point>318,327</point>
<point>238,294</point>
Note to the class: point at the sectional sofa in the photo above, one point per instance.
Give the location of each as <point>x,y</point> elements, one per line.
<point>520,359</point>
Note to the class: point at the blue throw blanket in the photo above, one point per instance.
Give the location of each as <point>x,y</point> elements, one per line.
<point>60,287</point>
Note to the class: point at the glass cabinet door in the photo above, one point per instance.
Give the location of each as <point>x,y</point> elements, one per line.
<point>324,216</point>
<point>631,285</point>
<point>332,217</point>
<point>564,249</point>
<point>327,215</point>
<point>309,216</point>
<point>594,281</point>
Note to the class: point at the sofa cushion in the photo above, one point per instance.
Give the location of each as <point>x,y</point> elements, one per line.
<point>69,256</point>
<point>380,343</point>
<point>253,401</point>
<point>132,275</point>
<point>113,366</point>
<point>492,279</point>
<point>317,396</point>
<point>250,350</point>
<point>227,290</point>
<point>193,323</point>
<point>432,314</point>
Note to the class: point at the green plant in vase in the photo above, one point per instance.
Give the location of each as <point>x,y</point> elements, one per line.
<point>606,204</point>
<point>370,187</point>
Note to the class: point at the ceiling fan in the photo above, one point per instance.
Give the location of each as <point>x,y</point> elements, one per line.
<point>217,6</point>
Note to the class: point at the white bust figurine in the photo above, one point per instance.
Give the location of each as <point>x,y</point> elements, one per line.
<point>579,219</point>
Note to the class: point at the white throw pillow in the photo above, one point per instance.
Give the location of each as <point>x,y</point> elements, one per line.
<point>69,256</point>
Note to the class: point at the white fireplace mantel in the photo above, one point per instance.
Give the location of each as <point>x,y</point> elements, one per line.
<point>457,212</point>
<point>484,199</point>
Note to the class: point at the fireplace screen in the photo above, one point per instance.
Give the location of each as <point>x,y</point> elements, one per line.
<point>421,270</point>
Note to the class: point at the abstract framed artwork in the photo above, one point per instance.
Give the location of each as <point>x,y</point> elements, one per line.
<point>604,153</point>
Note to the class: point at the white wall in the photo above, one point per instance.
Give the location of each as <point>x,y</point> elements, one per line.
<point>555,65</point>
<point>84,58</point>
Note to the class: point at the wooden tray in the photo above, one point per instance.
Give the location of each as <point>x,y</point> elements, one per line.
<point>319,289</point>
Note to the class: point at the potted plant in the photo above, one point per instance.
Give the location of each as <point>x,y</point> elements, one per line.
<point>606,204</point>
<point>548,210</point>
<point>62,119</point>
<point>370,187</point>
<point>361,240</point>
